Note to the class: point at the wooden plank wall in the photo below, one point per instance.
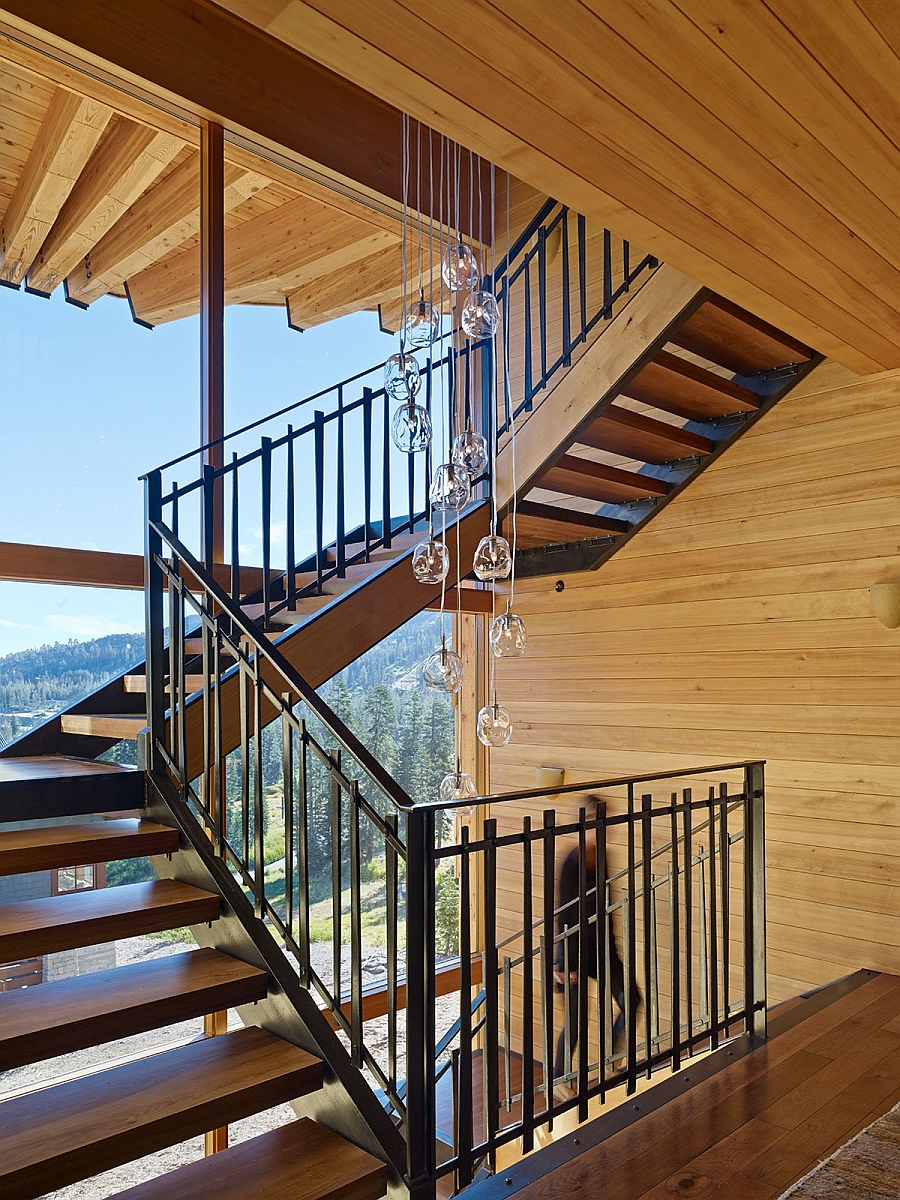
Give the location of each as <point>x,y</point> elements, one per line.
<point>738,625</point>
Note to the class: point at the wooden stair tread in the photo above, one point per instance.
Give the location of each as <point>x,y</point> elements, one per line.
<point>597,481</point>
<point>400,543</point>
<point>635,435</point>
<point>298,1161</point>
<point>106,725</point>
<point>45,849</point>
<point>53,768</point>
<point>138,683</point>
<point>302,608</point>
<point>46,786</point>
<point>728,335</point>
<point>34,927</point>
<point>59,1135</point>
<point>677,386</point>
<point>194,646</point>
<point>58,1018</point>
<point>545,524</point>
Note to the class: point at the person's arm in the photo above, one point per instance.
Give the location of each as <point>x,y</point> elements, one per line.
<point>567,894</point>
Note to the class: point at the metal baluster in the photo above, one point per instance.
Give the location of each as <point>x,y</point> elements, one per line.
<point>154,609</point>
<point>566,298</point>
<point>178,689</point>
<point>207,790</point>
<point>713,925</point>
<point>235,533</point>
<point>703,948</point>
<point>287,777</point>
<point>626,268</point>
<point>607,275</point>
<point>527,992</point>
<point>464,1087</point>
<point>507,1032</point>
<point>319,468</point>
<point>259,832</point>
<point>265,471</point>
<point>688,917</point>
<point>356,1018</point>
<point>725,884</point>
<point>583,932</point>
<point>208,476</point>
<point>335,807</point>
<point>491,969</point>
<point>340,520</point>
<point>602,946</point>
<point>652,1014</point>
<point>675,939</point>
<point>755,900</point>
<point>386,474</point>
<point>243,676</point>
<point>548,951</point>
<point>529,387</point>
<point>630,947</point>
<point>651,1002</point>
<point>391,924</point>
<point>221,789</point>
<point>542,300</point>
<point>582,275</point>
<point>290,552</point>
<point>303,815</point>
<point>367,465</point>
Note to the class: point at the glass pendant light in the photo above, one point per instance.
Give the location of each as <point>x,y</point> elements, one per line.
<point>402,380</point>
<point>423,324</point>
<point>470,451</point>
<point>495,726</point>
<point>458,785</point>
<point>460,268</point>
<point>430,561</point>
<point>480,315</point>
<point>508,638</point>
<point>449,488</point>
<point>493,558</point>
<point>411,428</point>
<point>442,671</point>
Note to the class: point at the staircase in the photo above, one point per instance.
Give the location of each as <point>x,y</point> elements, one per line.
<point>699,373</point>
<point>63,1133</point>
<point>599,450</point>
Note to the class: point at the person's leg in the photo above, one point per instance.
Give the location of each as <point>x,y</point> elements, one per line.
<point>563,1064</point>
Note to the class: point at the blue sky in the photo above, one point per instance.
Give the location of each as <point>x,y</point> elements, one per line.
<point>90,400</point>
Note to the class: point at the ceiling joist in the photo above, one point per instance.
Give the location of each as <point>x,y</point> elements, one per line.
<point>126,162</point>
<point>68,135</point>
<point>280,250</point>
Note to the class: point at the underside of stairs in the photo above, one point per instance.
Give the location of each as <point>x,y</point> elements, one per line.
<point>60,1133</point>
<point>674,380</point>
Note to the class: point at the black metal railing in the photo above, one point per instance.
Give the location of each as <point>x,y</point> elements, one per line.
<point>561,280</point>
<point>654,951</point>
<point>324,491</point>
<point>664,911</point>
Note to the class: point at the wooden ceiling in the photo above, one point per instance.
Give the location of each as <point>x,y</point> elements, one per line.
<point>101,194</point>
<point>754,146</point>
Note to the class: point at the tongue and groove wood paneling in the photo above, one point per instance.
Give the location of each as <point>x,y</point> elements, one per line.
<point>739,625</point>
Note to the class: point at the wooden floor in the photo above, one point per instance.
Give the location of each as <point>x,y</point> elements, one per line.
<point>830,1068</point>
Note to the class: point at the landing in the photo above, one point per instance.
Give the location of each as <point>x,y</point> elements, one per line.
<point>747,1131</point>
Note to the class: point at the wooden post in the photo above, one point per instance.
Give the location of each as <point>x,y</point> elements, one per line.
<point>212,316</point>
<point>212,402</point>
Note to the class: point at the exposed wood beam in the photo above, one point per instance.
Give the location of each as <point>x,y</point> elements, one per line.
<point>69,133</point>
<point>210,62</point>
<point>24,563</point>
<point>125,163</point>
<point>160,221</point>
<point>284,248</point>
<point>359,287</point>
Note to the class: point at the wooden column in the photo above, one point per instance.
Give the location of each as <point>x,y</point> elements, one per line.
<point>212,400</point>
<point>212,317</point>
